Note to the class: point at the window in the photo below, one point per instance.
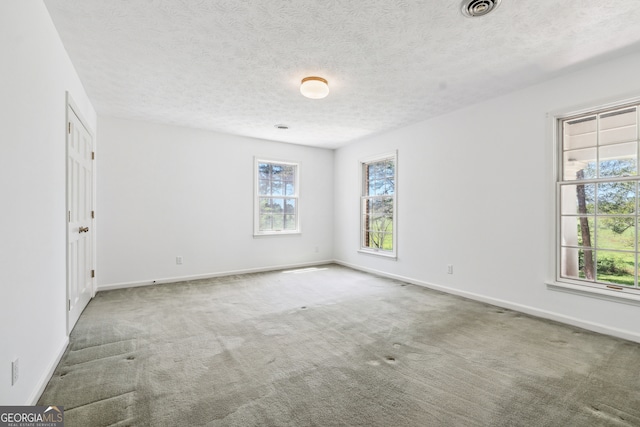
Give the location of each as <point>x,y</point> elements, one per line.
<point>378,205</point>
<point>276,204</point>
<point>597,194</point>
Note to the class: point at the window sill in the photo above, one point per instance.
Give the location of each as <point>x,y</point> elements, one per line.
<point>378,253</point>
<point>594,292</point>
<point>278,233</point>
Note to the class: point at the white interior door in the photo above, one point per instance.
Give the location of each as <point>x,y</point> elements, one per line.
<point>80,271</point>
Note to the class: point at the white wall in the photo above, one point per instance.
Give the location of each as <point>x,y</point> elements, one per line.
<point>475,190</point>
<point>167,191</point>
<point>35,73</point>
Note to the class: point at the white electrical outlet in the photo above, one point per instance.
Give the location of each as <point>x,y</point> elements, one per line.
<point>15,371</point>
<point>179,260</point>
<point>449,268</point>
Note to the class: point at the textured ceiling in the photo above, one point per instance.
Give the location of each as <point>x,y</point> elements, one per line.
<point>234,66</point>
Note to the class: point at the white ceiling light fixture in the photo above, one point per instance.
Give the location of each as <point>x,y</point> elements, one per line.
<point>314,87</point>
<point>476,8</point>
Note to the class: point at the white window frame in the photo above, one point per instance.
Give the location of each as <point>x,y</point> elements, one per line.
<point>601,290</point>
<point>256,199</point>
<point>392,254</point>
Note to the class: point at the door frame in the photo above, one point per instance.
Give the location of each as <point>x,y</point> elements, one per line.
<point>70,104</point>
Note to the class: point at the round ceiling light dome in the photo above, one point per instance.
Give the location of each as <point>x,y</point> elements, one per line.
<point>475,8</point>
<point>314,87</point>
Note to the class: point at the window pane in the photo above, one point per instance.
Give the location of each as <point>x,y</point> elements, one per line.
<point>618,160</point>
<point>366,206</point>
<point>380,206</point>
<point>265,205</point>
<point>370,187</point>
<point>387,244</point>
<point>380,232</point>
<point>390,169</point>
<point>365,232</point>
<point>578,199</point>
<point>289,188</point>
<point>370,206</point>
<point>376,187</point>
<point>287,172</point>
<point>390,186</point>
<point>578,231</point>
<point>379,170</point>
<point>377,223</point>
<point>371,171</point>
<point>381,223</point>
<point>580,133</point>
<point>617,198</point>
<point>278,222</point>
<point>381,240</point>
<point>366,222</point>
<point>276,171</point>
<point>264,187</point>
<point>577,264</point>
<point>387,206</point>
<point>618,126</point>
<point>290,206</point>
<point>616,233</point>
<point>616,267</point>
<point>277,188</point>
<point>579,164</point>
<point>264,170</point>
<point>266,222</point>
<point>269,205</point>
<point>290,222</point>
<point>376,206</point>
<point>277,205</point>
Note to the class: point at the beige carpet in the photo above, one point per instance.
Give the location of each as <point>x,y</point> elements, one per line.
<point>331,346</point>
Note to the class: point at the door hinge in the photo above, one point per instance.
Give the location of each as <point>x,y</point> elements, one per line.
<point>69,217</point>
<point>93,273</point>
<point>93,214</point>
<point>68,305</point>
<point>93,155</point>
<point>69,127</point>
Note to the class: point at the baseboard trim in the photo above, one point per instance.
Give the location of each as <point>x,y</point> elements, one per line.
<point>580,323</point>
<point>122,285</point>
<point>42,384</point>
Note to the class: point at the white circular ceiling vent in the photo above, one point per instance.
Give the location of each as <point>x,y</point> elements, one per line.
<point>475,8</point>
